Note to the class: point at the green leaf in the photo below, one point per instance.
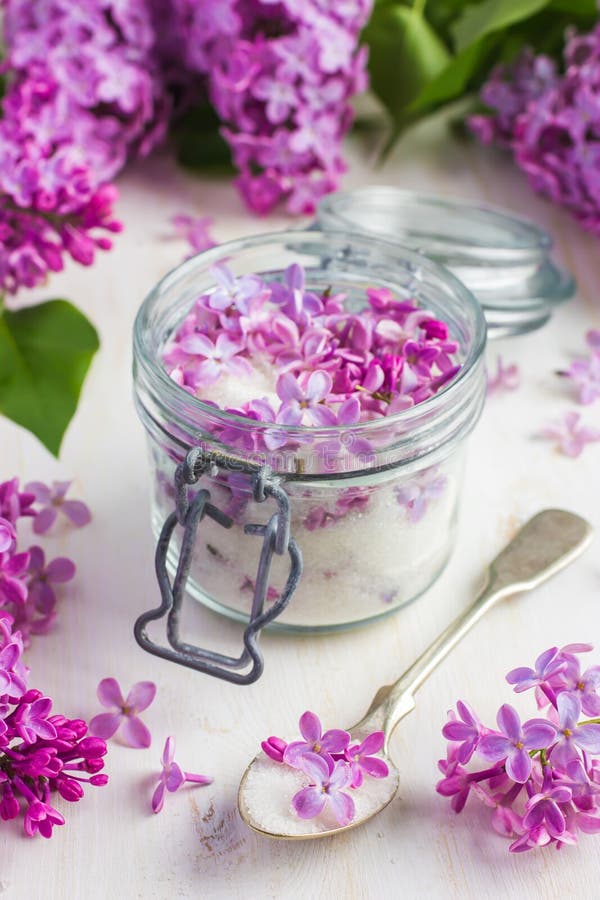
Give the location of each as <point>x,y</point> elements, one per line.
<point>45,352</point>
<point>405,54</point>
<point>586,9</point>
<point>490,16</point>
<point>457,77</point>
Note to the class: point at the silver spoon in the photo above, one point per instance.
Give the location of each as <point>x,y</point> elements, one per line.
<point>545,544</point>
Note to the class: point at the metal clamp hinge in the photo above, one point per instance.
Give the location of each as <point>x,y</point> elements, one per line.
<point>276,539</point>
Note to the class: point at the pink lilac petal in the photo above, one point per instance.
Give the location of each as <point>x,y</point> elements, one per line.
<point>310,726</point>
<point>140,696</point>
<point>104,725</point>
<point>77,512</point>
<point>109,693</point>
<point>135,733</point>
<point>44,520</point>
<point>60,570</point>
<point>158,797</point>
<point>309,802</point>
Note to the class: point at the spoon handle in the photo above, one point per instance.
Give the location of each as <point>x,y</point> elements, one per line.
<point>545,544</point>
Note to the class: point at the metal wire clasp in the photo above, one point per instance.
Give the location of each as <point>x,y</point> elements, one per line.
<point>276,538</point>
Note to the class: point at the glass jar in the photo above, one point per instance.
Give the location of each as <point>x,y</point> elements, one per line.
<point>373,506</point>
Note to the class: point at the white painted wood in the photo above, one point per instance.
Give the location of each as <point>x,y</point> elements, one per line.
<point>112,846</point>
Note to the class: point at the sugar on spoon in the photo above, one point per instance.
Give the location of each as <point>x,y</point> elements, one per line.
<point>545,544</point>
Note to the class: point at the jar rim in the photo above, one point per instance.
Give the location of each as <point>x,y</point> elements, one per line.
<point>172,395</point>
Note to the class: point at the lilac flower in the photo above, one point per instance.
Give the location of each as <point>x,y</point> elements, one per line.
<point>300,402</point>
<point>505,378</point>
<point>548,663</point>
<point>293,298</point>
<point>54,499</point>
<point>41,817</point>
<point>125,712</point>
<point>515,740</point>
<point>195,230</point>
<point>172,777</point>
<point>362,760</point>
<point>467,731</point>
<point>569,436</point>
<point>274,748</point>
<point>8,535</point>
<point>31,721</point>
<point>584,791</point>
<point>585,685</point>
<point>234,292</point>
<point>14,503</point>
<point>543,809</point>
<point>42,577</point>
<point>571,736</point>
<point>218,358</point>
<point>456,783</point>
<point>585,373</point>
<point>315,741</point>
<point>416,495</point>
<point>328,781</point>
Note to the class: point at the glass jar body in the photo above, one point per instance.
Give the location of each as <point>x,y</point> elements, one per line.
<point>373,507</point>
<point>369,545</point>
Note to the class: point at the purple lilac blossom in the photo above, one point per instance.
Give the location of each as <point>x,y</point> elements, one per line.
<point>569,436</point>
<point>124,713</point>
<point>327,783</point>
<point>315,741</point>
<point>331,764</point>
<point>26,581</point>
<point>585,372</point>
<point>282,90</point>
<point>544,784</point>
<point>550,123</point>
<point>363,761</point>
<point>195,230</point>
<point>40,752</point>
<point>330,368</point>
<point>172,777</point>
<point>53,499</point>
<point>505,378</point>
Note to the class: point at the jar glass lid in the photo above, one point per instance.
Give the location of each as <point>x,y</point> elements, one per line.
<point>504,260</point>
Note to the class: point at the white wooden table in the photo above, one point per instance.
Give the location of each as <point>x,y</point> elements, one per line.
<point>112,845</point>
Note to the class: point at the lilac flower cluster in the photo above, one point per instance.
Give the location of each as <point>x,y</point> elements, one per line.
<point>551,123</point>
<point>84,93</point>
<point>332,765</point>
<point>541,777</point>
<point>280,76</point>
<point>329,366</point>
<point>27,581</point>
<point>39,752</point>
<point>90,87</point>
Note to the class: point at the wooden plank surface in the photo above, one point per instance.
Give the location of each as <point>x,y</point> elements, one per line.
<point>112,846</point>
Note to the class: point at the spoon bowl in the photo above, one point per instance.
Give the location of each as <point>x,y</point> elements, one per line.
<point>279,783</point>
<point>545,544</point>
